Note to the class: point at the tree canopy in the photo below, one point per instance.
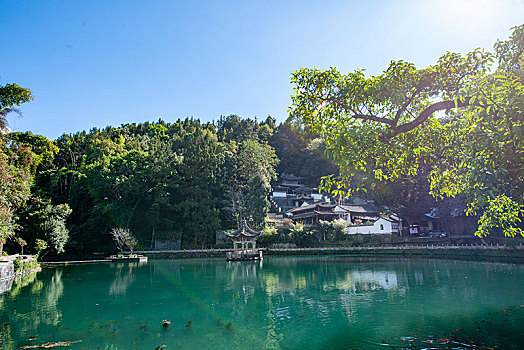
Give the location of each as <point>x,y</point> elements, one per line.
<point>15,163</point>
<point>460,119</point>
<point>161,181</point>
<point>12,95</point>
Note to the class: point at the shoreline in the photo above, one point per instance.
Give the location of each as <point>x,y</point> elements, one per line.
<point>475,253</point>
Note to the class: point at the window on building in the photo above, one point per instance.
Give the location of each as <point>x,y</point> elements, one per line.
<point>381,227</point>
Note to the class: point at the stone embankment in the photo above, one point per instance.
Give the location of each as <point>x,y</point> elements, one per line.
<point>474,251</point>
<point>481,250</point>
<point>7,275</point>
<point>15,266</point>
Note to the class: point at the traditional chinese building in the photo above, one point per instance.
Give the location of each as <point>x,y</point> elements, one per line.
<point>381,225</point>
<point>244,244</point>
<point>313,213</point>
<point>289,193</point>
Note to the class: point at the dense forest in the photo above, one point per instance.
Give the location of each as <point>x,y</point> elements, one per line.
<point>162,181</point>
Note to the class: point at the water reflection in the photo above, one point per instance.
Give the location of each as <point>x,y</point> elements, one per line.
<point>287,293</point>
<point>124,277</point>
<point>18,282</point>
<point>321,275</point>
<point>6,284</point>
<point>324,302</point>
<point>40,310</point>
<point>318,293</point>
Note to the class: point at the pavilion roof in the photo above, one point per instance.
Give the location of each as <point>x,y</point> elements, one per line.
<point>244,231</point>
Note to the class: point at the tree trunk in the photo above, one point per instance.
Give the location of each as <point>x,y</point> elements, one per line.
<point>153,238</point>
<point>132,213</point>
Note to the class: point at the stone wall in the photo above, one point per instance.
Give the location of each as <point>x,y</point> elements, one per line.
<point>7,275</point>
<point>7,270</point>
<point>27,264</point>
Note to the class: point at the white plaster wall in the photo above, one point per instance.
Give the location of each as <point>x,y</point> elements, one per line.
<point>372,229</point>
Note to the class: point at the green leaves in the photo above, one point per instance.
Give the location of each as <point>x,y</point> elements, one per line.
<point>42,220</point>
<point>13,95</point>
<point>501,214</point>
<point>15,178</point>
<point>459,118</point>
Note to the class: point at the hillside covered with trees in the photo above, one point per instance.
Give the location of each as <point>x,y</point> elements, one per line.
<point>165,181</point>
<point>161,181</point>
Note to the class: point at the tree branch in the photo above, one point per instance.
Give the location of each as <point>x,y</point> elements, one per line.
<point>363,116</point>
<point>374,118</point>
<point>424,115</point>
<point>406,104</point>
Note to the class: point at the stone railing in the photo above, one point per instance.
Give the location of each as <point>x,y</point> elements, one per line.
<point>405,247</point>
<point>351,248</point>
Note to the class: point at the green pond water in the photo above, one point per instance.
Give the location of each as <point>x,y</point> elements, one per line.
<point>278,303</point>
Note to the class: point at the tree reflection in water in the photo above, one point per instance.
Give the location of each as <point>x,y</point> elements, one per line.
<point>28,317</point>
<point>280,302</point>
<point>122,279</point>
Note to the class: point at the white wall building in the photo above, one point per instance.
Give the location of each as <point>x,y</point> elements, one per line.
<point>381,226</point>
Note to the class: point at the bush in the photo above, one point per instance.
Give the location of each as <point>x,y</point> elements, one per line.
<point>331,231</point>
<point>304,236</point>
<point>25,266</point>
<point>124,238</point>
<point>270,235</point>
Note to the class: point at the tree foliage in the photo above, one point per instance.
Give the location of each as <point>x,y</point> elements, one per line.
<point>22,243</point>
<point>12,95</point>
<point>15,183</point>
<point>123,239</point>
<point>161,181</point>
<point>301,153</point>
<point>461,119</point>
<point>250,172</point>
<point>332,231</point>
<point>42,220</point>
<point>15,176</point>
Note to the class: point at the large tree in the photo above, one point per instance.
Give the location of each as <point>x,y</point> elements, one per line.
<point>15,177</point>
<point>461,118</point>
<point>250,171</point>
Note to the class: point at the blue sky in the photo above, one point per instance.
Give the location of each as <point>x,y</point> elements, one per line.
<point>101,62</point>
